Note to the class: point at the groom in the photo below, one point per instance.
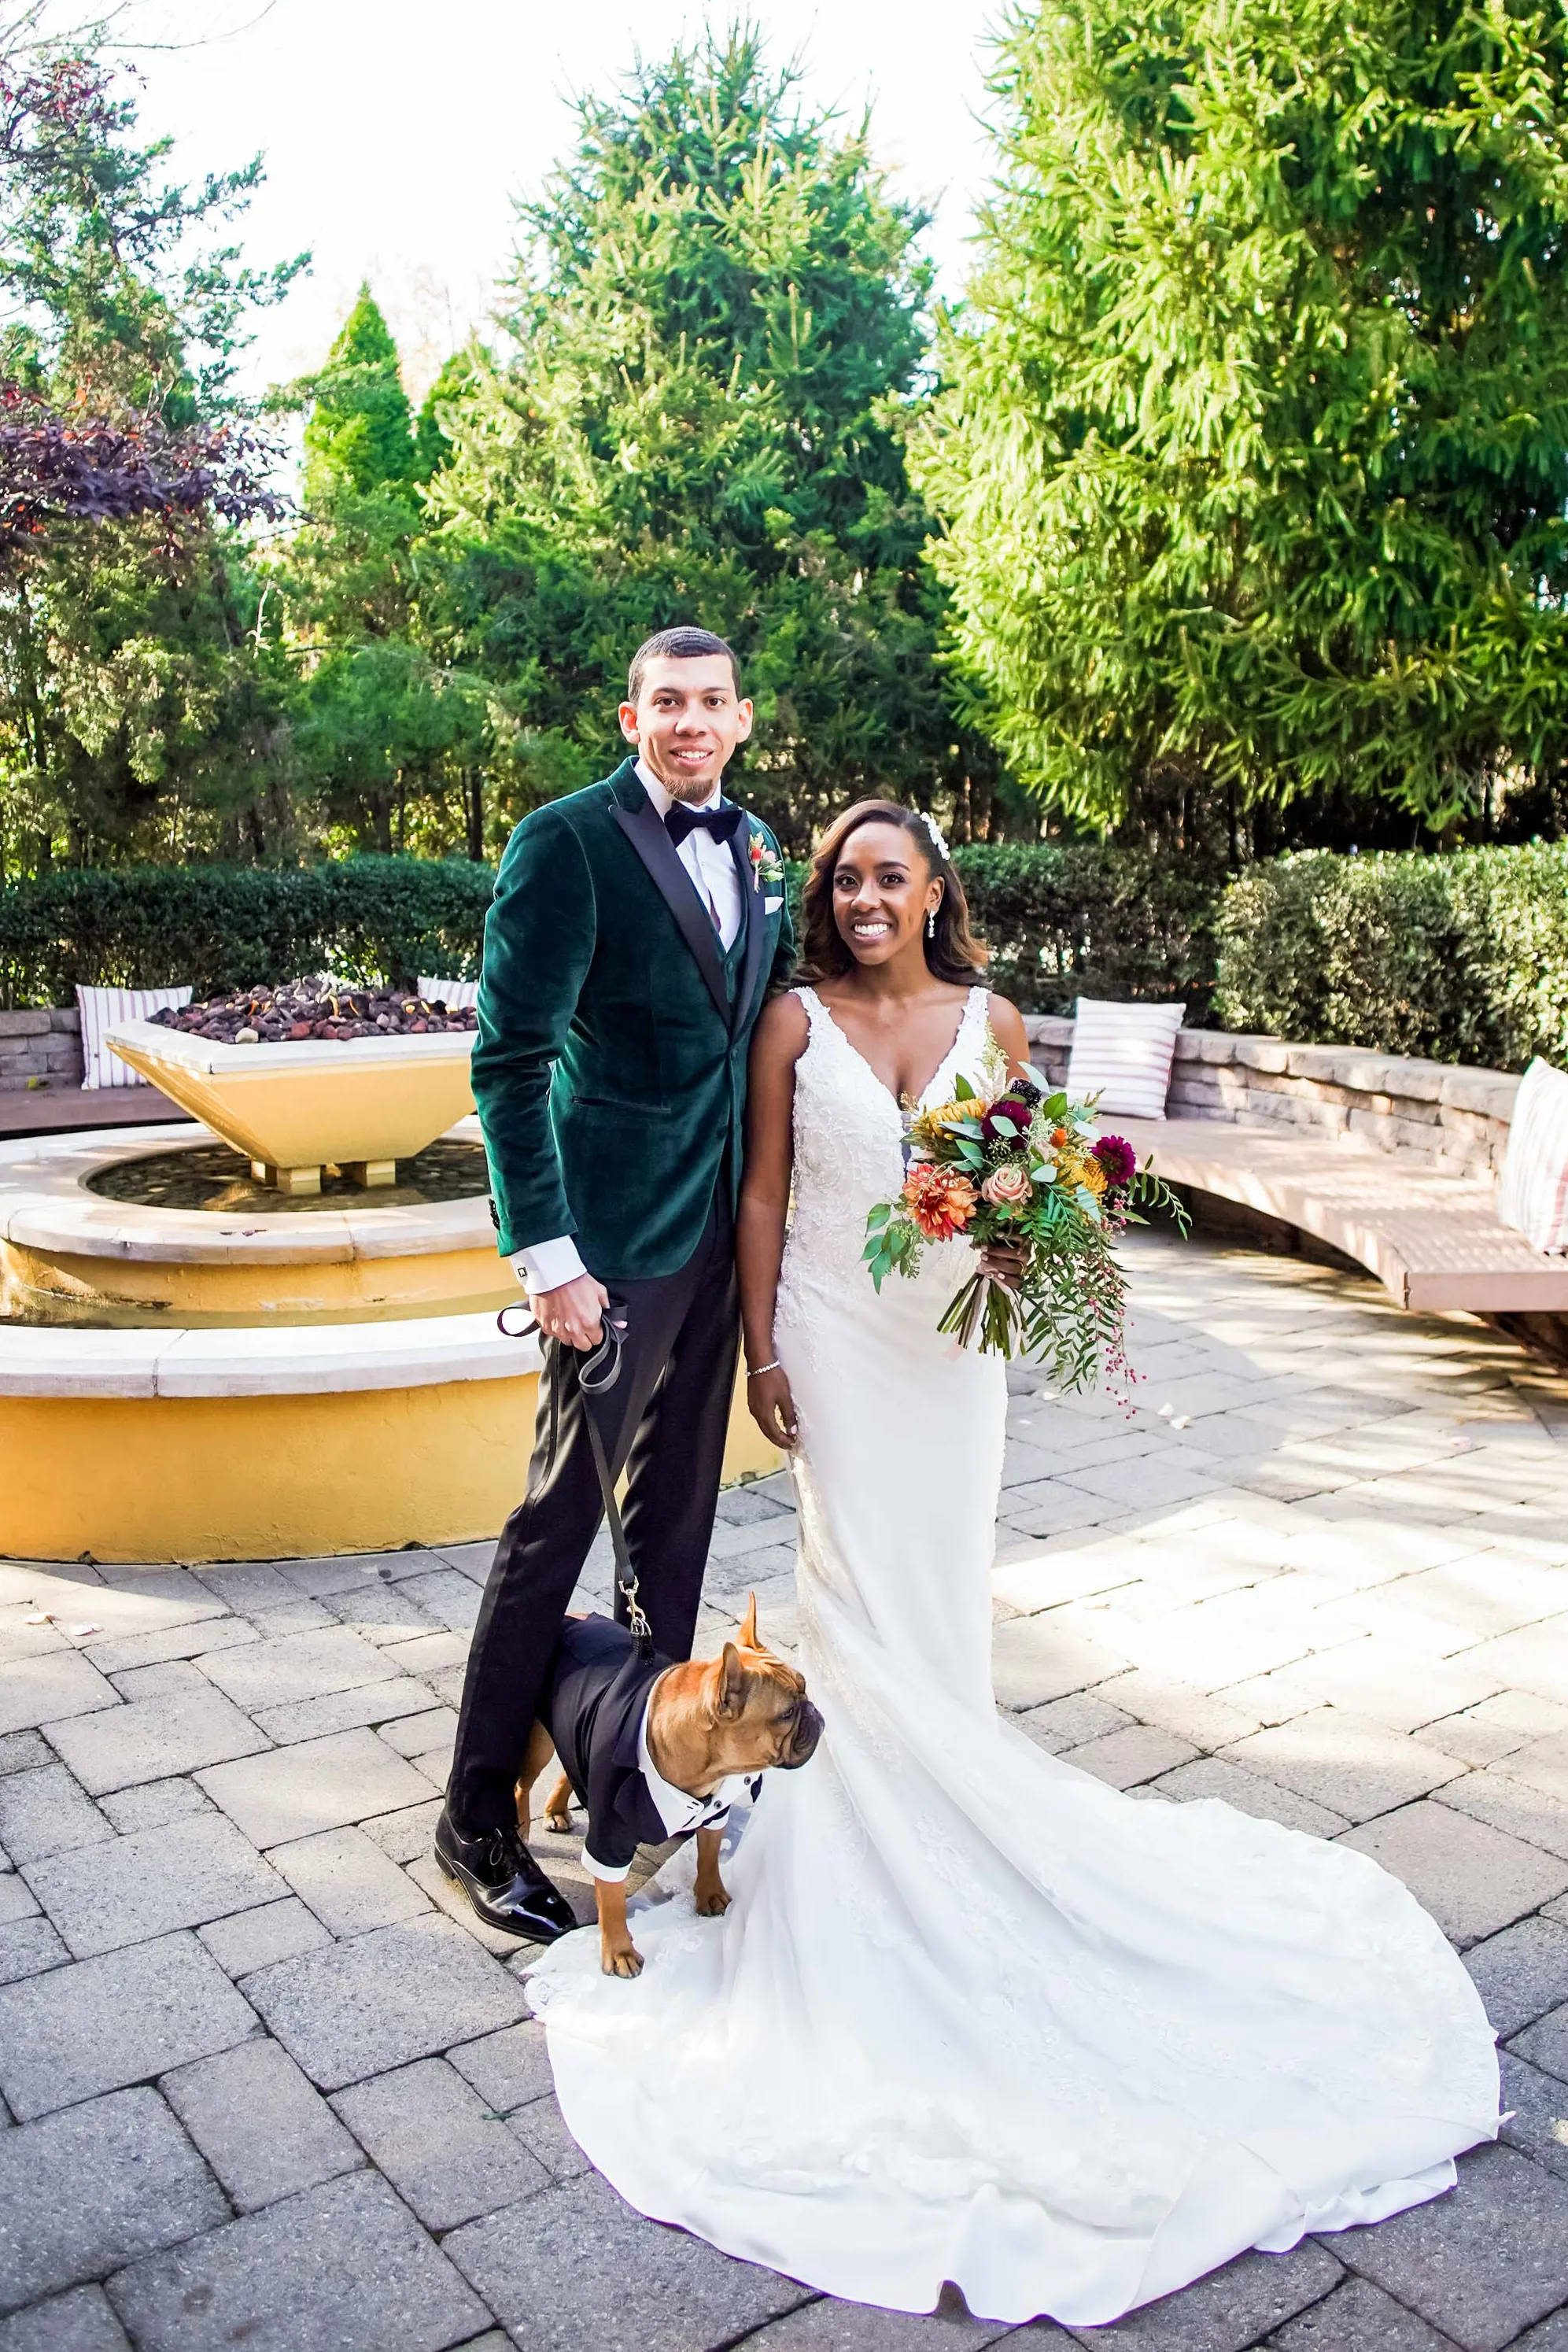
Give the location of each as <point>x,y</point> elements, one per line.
<point>637,928</point>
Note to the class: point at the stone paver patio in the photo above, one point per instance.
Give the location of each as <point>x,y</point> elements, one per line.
<point>263,2084</point>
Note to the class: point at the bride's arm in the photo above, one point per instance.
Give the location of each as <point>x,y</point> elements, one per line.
<point>778,1045</point>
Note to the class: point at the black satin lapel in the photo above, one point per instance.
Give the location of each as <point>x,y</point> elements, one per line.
<point>756,923</point>
<point>646,832</point>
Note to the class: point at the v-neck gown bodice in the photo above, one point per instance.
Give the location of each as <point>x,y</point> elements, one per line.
<point>972,2014</point>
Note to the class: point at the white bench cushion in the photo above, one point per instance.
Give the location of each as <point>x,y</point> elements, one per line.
<point>1123,1053</point>
<point>1532,1196</point>
<point>458,993</point>
<point>101,1009</point>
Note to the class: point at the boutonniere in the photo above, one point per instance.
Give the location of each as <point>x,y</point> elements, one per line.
<point>767,865</point>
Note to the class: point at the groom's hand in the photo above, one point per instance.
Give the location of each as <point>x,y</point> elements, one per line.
<point>571,1314</point>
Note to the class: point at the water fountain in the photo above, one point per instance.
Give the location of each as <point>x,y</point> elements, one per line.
<point>271,1334</point>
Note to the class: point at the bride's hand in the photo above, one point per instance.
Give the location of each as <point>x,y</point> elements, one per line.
<point>1004,1262</point>
<point>772,1408</point>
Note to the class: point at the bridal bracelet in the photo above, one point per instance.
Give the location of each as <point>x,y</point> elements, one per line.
<point>774,1367</point>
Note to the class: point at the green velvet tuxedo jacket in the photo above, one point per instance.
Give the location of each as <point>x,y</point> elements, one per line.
<point>610,1067</point>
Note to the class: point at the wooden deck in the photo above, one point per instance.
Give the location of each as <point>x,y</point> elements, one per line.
<point>1432,1240</point>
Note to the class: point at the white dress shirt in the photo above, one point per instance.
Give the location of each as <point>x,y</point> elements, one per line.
<point>546,1266</point>
<point>676,1808</point>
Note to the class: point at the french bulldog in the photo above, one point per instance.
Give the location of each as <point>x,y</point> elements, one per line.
<point>648,1747</point>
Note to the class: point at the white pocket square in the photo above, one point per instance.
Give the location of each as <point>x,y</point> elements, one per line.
<point>771,906</point>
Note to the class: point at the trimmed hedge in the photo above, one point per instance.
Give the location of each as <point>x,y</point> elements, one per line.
<point>222,927</point>
<point>1460,958</point>
<point>1109,922</point>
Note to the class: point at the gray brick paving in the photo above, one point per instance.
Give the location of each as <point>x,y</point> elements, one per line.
<point>348,1882</point>
<point>263,2129</point>
<point>1522,1973</point>
<point>82,2320</point>
<point>322,1784</point>
<point>1481,2263</point>
<point>382,1999</point>
<point>44,1811</point>
<point>1292,1651</point>
<point>342,2268</point>
<point>83,2191</point>
<point>179,1876</point>
<point>444,2151</point>
<point>623,2283</point>
<point>254,1939</point>
<point>153,1738</point>
<point>96,2025</point>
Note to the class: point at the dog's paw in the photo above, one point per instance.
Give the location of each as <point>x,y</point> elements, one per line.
<point>712,1902</point>
<point>627,1963</point>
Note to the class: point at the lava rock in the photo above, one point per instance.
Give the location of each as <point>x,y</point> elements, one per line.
<point>313,1008</point>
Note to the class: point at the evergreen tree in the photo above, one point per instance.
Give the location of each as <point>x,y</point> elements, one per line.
<point>715,338</point>
<point>1253,461</point>
<point>389,733</point>
<point>133,720</point>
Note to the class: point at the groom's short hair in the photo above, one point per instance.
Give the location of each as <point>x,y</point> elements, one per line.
<point>678,644</point>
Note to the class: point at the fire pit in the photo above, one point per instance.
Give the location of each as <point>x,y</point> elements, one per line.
<point>309,1077</point>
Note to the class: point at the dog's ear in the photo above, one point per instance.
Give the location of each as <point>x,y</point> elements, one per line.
<point>748,1640</point>
<point>729,1687</point>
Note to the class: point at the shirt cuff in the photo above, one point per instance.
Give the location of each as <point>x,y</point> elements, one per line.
<point>545,1265</point>
<point>611,1872</point>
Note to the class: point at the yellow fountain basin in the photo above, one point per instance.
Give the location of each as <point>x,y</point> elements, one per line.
<point>260,1444</point>
<point>361,1103</point>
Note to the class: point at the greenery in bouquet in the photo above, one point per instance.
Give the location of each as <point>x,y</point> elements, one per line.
<point>1018,1168</point>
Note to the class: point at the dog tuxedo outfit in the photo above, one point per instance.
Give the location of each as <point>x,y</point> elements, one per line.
<point>597,1694</point>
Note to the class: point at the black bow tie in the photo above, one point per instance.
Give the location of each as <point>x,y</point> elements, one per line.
<point>723,822</point>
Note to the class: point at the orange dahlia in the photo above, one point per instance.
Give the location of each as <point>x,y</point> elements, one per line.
<point>940,1202</point>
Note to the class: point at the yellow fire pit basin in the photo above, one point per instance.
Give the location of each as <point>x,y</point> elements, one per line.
<point>360,1104</point>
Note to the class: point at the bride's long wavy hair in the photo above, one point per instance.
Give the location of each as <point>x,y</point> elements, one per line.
<point>953,953</point>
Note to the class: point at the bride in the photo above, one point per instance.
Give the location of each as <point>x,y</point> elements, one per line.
<point>973,2015</point>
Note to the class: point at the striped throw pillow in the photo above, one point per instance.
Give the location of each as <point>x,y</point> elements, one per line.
<point>1532,1196</point>
<point>104,1008</point>
<point>1123,1053</point>
<point>458,993</point>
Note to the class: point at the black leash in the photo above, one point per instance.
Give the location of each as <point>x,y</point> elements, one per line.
<point>597,1373</point>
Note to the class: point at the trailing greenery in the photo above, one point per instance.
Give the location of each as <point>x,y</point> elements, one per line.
<point>220,927</point>
<point>1253,454</point>
<point>1457,958</point>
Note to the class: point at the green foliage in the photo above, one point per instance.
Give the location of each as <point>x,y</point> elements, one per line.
<point>360,431</point>
<point>1085,918</point>
<point>715,337</point>
<point>1460,958</point>
<point>217,926</point>
<point>132,718</point>
<point>1254,456</point>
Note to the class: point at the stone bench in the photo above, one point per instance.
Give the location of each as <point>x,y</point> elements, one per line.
<point>1387,1161</point>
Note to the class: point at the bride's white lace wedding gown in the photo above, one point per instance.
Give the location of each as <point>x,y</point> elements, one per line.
<point>973,2015</point>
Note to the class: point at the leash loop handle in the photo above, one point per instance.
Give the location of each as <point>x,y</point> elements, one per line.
<point>597,1373</point>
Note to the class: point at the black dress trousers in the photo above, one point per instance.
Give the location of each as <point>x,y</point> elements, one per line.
<point>664,1423</point>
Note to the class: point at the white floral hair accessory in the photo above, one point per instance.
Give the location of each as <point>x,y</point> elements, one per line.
<point>938,837</point>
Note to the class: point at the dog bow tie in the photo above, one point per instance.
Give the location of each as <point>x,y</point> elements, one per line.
<point>723,823</point>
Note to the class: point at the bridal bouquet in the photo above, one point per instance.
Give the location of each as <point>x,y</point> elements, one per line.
<point>1018,1168</point>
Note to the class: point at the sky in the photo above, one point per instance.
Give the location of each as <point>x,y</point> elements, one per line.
<point>397,136</point>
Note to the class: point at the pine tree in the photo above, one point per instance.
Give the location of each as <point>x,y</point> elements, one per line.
<point>1253,461</point>
<point>717,339</point>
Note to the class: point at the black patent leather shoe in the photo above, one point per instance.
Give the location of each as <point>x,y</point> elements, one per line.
<point>504,1883</point>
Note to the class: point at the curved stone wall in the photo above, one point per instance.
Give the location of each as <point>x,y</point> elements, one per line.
<point>1440,1115</point>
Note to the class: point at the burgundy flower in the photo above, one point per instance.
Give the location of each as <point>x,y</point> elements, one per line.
<point>1118,1159</point>
<point>1006,1121</point>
